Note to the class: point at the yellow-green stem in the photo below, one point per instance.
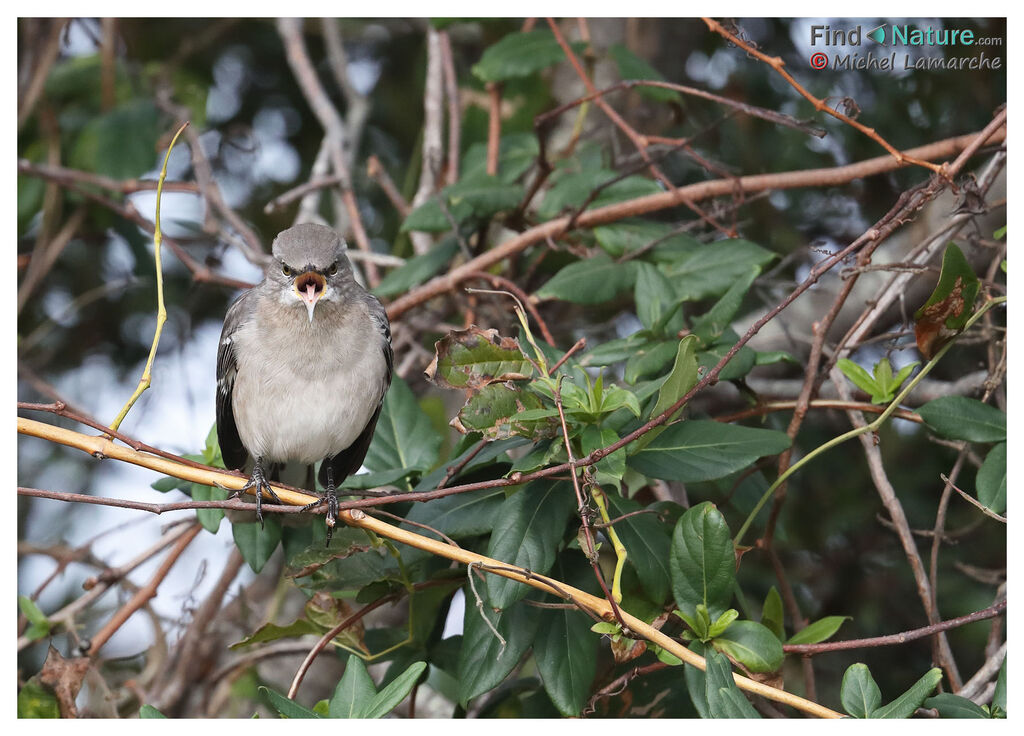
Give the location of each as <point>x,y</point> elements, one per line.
<point>873,426</point>
<point>161,312</point>
<point>617,546</point>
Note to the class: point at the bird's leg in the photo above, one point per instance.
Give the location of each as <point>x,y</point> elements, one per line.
<point>332,504</point>
<point>259,482</point>
<point>331,498</point>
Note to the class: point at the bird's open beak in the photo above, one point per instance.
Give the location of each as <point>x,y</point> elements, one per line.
<point>310,287</point>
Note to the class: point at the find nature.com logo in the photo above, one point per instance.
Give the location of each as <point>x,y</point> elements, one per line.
<point>901,39</point>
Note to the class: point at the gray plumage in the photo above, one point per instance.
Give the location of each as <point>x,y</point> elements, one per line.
<point>303,364</point>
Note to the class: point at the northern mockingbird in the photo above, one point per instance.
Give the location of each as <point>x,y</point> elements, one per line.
<point>303,365</point>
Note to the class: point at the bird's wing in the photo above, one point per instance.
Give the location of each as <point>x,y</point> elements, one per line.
<point>231,448</point>
<point>349,460</point>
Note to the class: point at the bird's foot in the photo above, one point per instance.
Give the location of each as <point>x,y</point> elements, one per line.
<point>260,483</point>
<point>330,497</point>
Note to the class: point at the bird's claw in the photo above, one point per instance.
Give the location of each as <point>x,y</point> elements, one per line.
<point>331,499</point>
<point>260,483</point>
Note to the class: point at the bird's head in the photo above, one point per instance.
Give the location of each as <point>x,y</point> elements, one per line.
<point>309,266</point>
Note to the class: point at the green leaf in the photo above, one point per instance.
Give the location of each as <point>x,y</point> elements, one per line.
<point>696,680</point>
<point>473,358</point>
<point>999,696</point>
<point>632,66</point>
<point>647,543</point>
<point>818,631</point>
<point>121,143</point>
<point>859,693</point>
<point>479,197</point>
<point>273,632</point>
<point>624,236</point>
<point>696,450</point>
<point>36,701</point>
<point>722,624</point>
<point>209,518</point>
<point>711,325</point>
<point>610,468</point>
<point>954,294</point>
<point>394,693</point>
<point>526,533</point>
<point>677,383</point>
<point>751,644</point>
<point>405,438</point>
<point>417,269</point>
<point>257,543</point>
<point>520,55</point>
<point>460,515</point>
<point>955,706</point>
<point>354,691</point>
<point>905,705</point>
<point>571,189</point>
<point>517,152</point>
<point>566,654</point>
<point>710,269</point>
<point>491,412</point>
<point>40,623</point>
<point>169,484</point>
<point>285,706</point>
<point>724,699</point>
<point>738,366</point>
<point>858,376</point>
<point>614,398</point>
<point>148,711</point>
<point>653,294</point>
<point>772,615</point>
<point>485,195</point>
<point>649,359</point>
<point>614,351</point>
<point>483,662</point>
<point>903,375</point>
<point>771,357</point>
<point>590,281</point>
<point>961,418</point>
<point>702,561</point>
<point>430,218</point>
<point>991,480</point>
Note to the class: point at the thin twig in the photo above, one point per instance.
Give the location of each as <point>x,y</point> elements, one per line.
<point>34,89</point>
<point>433,119</point>
<point>290,30</point>
<point>145,593</point>
<point>893,506</point>
<point>893,639</point>
<point>636,138</point>
<point>967,497</point>
<point>778,65</point>
<point>493,126</point>
<point>654,202</point>
<point>451,93</point>
<point>770,406</point>
<point>324,640</point>
<point>500,282</point>
<point>577,346</point>
<point>376,171</point>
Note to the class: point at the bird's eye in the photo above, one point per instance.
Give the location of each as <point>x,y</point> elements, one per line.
<point>286,270</point>
<point>333,269</point>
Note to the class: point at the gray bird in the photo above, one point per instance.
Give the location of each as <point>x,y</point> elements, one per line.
<point>303,365</point>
